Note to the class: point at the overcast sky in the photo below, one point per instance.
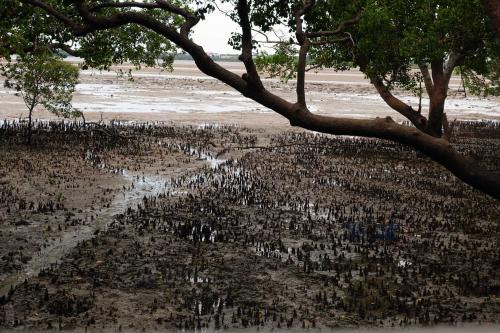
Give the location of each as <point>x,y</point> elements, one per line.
<point>214,32</point>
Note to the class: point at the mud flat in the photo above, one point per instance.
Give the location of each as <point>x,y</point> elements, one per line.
<point>133,226</point>
<point>167,217</point>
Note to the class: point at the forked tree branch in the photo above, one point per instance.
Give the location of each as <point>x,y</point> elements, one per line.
<point>190,19</point>
<point>454,60</point>
<point>77,28</point>
<point>415,117</point>
<point>252,75</point>
<point>441,75</point>
<point>398,105</point>
<point>267,41</point>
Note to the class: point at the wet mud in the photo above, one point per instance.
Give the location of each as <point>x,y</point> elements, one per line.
<point>129,227</point>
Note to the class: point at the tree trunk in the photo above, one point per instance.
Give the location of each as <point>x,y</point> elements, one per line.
<point>492,9</point>
<point>436,110</point>
<point>437,98</point>
<point>28,139</point>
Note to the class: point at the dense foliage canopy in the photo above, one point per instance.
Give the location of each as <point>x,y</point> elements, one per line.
<point>386,38</point>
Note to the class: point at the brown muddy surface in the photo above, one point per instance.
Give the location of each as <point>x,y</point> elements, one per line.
<point>152,227</point>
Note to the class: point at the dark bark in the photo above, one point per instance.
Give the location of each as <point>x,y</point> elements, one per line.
<point>396,104</point>
<point>492,9</point>
<point>438,149</point>
<point>246,56</point>
<point>30,115</point>
<point>429,84</point>
<point>436,111</point>
<point>304,43</point>
<point>414,116</point>
<point>437,98</point>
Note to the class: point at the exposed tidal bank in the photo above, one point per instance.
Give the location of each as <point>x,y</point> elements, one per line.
<point>213,227</point>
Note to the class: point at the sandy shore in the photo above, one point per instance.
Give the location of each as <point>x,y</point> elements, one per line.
<point>187,96</point>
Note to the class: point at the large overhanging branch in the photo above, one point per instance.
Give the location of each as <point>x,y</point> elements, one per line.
<point>438,149</point>
<point>190,19</point>
<point>158,4</point>
<point>52,47</point>
<point>95,23</point>
<point>454,59</point>
<point>74,26</point>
